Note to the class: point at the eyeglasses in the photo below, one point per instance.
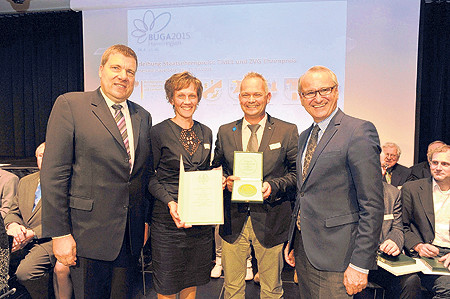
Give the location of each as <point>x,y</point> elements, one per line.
<point>256,95</point>
<point>324,91</point>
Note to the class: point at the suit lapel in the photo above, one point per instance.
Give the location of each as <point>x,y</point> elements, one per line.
<point>29,200</point>
<point>136,123</point>
<point>237,134</point>
<point>269,128</point>
<point>326,137</point>
<point>426,198</point>
<point>102,112</point>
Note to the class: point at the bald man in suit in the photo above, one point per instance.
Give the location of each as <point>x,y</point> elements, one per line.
<point>264,225</point>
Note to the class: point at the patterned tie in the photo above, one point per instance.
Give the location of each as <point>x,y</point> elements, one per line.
<point>252,145</point>
<point>37,196</point>
<point>310,148</point>
<point>387,177</point>
<point>120,121</point>
<point>312,143</point>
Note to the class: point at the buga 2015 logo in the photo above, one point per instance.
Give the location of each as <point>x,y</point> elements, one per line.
<point>150,27</point>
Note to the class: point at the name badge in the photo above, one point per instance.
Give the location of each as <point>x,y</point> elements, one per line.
<point>206,145</point>
<point>274,146</point>
<point>389,217</point>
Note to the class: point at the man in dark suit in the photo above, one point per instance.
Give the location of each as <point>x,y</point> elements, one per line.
<point>422,170</point>
<point>339,206</point>
<point>8,187</point>
<point>426,218</point>
<point>23,223</point>
<point>264,225</point>
<point>94,176</point>
<point>393,172</point>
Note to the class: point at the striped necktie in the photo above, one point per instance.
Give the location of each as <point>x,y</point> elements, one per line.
<point>120,121</point>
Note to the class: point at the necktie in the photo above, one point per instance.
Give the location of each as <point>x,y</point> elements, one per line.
<point>310,148</point>
<point>388,176</point>
<point>252,145</point>
<point>312,143</point>
<point>37,196</point>
<point>120,121</point>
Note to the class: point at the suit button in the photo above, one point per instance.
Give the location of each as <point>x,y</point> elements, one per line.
<point>126,160</point>
<point>125,207</point>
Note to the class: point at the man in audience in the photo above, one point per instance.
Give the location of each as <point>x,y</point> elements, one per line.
<point>8,187</point>
<point>23,222</point>
<point>393,173</point>
<point>338,213</point>
<point>422,169</point>
<point>264,225</point>
<point>426,218</point>
<point>94,179</point>
<point>391,240</point>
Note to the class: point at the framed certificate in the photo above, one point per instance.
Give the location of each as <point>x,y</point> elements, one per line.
<point>248,166</point>
<point>200,196</point>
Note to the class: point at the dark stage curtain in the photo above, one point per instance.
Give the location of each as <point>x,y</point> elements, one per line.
<point>41,57</point>
<point>433,76</point>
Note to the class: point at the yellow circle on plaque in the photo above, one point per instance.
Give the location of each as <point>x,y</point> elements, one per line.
<point>247,190</point>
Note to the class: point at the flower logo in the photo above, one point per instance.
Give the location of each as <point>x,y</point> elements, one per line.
<point>150,24</point>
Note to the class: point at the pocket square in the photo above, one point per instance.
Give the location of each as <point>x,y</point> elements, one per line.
<point>274,146</point>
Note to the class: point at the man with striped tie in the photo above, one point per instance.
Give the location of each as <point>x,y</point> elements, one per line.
<point>94,179</point>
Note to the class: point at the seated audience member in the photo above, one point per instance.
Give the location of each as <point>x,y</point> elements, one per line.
<point>23,222</point>
<point>391,241</point>
<point>422,170</point>
<point>426,217</point>
<point>393,173</point>
<point>8,187</point>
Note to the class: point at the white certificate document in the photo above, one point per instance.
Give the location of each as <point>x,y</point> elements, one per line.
<point>200,196</point>
<point>248,166</point>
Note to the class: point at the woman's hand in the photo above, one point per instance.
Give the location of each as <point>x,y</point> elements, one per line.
<point>173,207</point>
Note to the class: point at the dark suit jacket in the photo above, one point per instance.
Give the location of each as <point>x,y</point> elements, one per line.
<point>399,174</point>
<point>22,212</point>
<point>271,219</point>
<point>87,188</point>
<point>418,213</point>
<point>341,199</point>
<point>419,171</point>
<point>392,227</point>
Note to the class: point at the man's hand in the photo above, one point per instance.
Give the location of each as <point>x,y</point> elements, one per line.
<point>289,256</point>
<point>230,180</point>
<point>446,260</point>
<point>354,281</point>
<point>22,235</point>
<point>173,207</point>
<point>389,247</point>
<point>426,250</point>
<point>266,190</point>
<point>17,231</point>
<point>65,250</point>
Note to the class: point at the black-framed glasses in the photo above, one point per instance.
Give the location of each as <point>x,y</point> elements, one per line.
<point>324,91</point>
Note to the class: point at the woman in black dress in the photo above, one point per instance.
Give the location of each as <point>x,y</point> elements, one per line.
<point>181,253</point>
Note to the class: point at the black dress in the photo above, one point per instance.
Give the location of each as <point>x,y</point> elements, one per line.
<point>181,257</point>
